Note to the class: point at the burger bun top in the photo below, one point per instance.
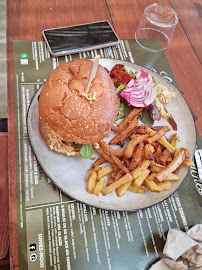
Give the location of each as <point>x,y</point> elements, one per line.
<point>69,112</point>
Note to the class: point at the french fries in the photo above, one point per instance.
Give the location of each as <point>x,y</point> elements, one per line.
<point>176,162</point>
<point>137,156</point>
<point>138,181</point>
<point>173,140</point>
<point>130,148</point>
<point>99,186</point>
<point>88,174</point>
<point>186,153</point>
<point>125,121</point>
<point>148,153</point>
<point>97,168</point>
<point>156,136</point>
<point>136,189</point>
<point>164,157</point>
<point>119,175</point>
<point>132,144</point>
<point>124,179</point>
<point>115,167</point>
<point>155,167</point>
<point>164,185</point>
<point>171,177</point>
<point>120,164</point>
<point>149,162</point>
<point>110,181</point>
<point>98,162</point>
<point>135,174</point>
<point>120,136</point>
<point>123,188</point>
<point>104,155</point>
<point>158,152</point>
<point>109,149</point>
<point>91,182</point>
<point>151,184</point>
<point>187,163</point>
<point>164,142</point>
<point>104,171</point>
<point>141,130</point>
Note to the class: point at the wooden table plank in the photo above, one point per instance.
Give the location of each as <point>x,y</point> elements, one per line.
<point>27,19</point>
<point>191,22</point>
<point>3,125</point>
<point>4,195</point>
<point>5,263</point>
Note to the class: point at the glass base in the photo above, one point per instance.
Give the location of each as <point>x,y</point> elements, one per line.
<point>144,34</point>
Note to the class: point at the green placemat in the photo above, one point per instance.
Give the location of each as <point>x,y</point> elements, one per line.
<point>56,232</point>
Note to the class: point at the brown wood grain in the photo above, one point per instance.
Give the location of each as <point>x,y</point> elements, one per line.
<point>5,263</point>
<point>191,23</point>
<point>4,195</point>
<point>5,267</point>
<point>13,236</point>
<point>27,18</point>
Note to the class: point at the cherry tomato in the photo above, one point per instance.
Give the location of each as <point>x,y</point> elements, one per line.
<point>123,76</point>
<point>115,69</point>
<point>119,74</point>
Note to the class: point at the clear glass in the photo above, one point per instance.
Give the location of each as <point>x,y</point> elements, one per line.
<point>157,23</point>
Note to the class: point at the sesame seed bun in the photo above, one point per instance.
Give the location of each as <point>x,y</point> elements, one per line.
<point>67,117</point>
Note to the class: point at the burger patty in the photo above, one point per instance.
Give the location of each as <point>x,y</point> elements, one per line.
<point>56,144</point>
<point>77,146</point>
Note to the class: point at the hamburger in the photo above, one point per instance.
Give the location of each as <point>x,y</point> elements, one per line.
<point>68,116</point>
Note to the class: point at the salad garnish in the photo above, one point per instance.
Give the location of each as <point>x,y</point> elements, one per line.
<point>140,91</point>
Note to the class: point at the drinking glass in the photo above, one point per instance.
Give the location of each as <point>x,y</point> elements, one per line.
<point>156,27</point>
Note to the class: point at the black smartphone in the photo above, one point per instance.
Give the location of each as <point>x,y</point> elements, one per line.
<point>80,38</point>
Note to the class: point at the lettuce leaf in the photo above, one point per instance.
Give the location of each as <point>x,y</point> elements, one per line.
<point>146,117</point>
<point>86,151</point>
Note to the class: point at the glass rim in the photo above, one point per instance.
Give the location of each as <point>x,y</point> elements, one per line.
<point>157,4</point>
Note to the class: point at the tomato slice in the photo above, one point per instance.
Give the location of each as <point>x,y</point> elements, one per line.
<point>119,74</point>
<point>123,76</point>
<point>115,69</point>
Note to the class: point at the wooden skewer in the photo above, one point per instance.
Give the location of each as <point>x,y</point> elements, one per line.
<point>93,72</point>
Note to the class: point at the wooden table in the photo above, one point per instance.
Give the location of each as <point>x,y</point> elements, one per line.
<point>27,18</point>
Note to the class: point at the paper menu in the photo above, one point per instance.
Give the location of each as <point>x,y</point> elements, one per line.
<point>56,232</point>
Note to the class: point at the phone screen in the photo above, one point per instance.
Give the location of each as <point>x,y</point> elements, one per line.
<point>80,36</point>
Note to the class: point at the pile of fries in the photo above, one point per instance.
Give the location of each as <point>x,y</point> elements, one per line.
<point>150,162</point>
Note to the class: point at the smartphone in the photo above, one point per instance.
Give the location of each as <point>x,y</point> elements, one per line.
<point>80,38</point>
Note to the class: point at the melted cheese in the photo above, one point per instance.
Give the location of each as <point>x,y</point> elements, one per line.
<point>93,97</point>
<point>59,144</point>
